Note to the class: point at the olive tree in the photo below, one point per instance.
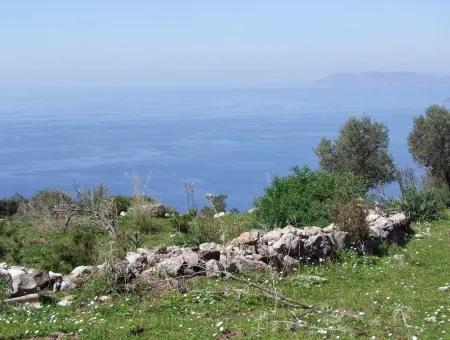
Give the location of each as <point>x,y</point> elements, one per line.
<point>429,141</point>
<point>362,149</point>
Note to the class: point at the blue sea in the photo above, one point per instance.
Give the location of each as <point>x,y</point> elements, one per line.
<point>231,141</point>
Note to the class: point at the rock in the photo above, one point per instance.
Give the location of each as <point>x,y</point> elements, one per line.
<point>123,214</point>
<point>220,214</point>
<point>213,268</point>
<point>400,258</point>
<point>23,281</point>
<point>104,298</point>
<point>248,238</point>
<point>288,244</point>
<point>290,262</point>
<point>340,239</point>
<point>392,229</point>
<point>67,285</point>
<point>191,259</point>
<point>29,298</point>
<point>444,289</point>
<point>210,251</point>
<point>271,236</point>
<point>67,300</point>
<point>55,277</point>
<point>80,271</point>
<point>317,247</point>
<point>309,231</point>
<point>157,210</point>
<point>172,266</point>
<point>133,257</point>
<point>330,228</point>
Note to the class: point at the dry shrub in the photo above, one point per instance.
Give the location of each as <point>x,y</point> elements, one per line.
<point>47,209</point>
<point>350,216</point>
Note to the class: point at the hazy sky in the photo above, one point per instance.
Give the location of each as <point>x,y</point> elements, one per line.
<point>238,42</point>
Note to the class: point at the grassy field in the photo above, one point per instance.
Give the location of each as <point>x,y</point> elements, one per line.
<point>354,297</point>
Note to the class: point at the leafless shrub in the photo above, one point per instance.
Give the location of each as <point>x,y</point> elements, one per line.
<point>350,216</point>
<point>46,209</point>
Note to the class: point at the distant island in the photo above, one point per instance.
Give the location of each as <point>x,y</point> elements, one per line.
<point>381,79</point>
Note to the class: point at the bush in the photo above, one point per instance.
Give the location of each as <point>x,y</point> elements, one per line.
<point>79,249</point>
<point>419,204</point>
<point>10,243</point>
<point>181,223</point>
<point>9,206</point>
<point>305,197</point>
<point>47,209</point>
<point>122,203</point>
<point>350,216</point>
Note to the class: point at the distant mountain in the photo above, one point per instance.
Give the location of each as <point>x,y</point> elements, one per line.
<point>381,79</point>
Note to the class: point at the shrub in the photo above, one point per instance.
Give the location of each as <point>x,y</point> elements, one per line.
<point>9,206</point>
<point>10,242</point>
<point>362,149</point>
<point>47,209</point>
<point>181,223</point>
<point>79,249</point>
<point>419,204</point>
<point>305,197</point>
<point>350,216</point>
<point>122,203</point>
<point>422,199</point>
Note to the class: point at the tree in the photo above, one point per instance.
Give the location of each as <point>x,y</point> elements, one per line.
<point>429,141</point>
<point>362,149</point>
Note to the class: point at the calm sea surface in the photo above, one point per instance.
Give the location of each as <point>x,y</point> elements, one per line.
<point>225,140</point>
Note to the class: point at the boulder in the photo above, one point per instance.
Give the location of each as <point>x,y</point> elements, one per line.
<point>248,238</point>
<point>213,268</point>
<point>80,273</point>
<point>210,251</point>
<point>290,262</point>
<point>340,239</point>
<point>317,247</point>
<point>288,244</point>
<point>172,266</point>
<point>24,281</point>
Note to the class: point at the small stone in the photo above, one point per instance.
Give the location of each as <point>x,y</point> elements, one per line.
<point>444,289</point>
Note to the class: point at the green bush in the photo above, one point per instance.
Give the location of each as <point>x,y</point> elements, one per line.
<point>122,203</point>
<point>181,222</point>
<point>9,206</point>
<point>79,249</point>
<point>10,242</point>
<point>419,204</point>
<point>305,197</point>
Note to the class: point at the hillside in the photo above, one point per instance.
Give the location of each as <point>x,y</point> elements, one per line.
<point>396,295</point>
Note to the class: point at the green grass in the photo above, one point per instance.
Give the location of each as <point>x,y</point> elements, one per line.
<point>362,297</point>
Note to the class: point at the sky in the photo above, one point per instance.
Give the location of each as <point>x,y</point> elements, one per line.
<point>233,42</point>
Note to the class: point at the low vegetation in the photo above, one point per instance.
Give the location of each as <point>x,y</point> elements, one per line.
<point>306,197</point>
<point>400,293</point>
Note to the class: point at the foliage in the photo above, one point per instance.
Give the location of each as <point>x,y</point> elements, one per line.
<point>181,222</point>
<point>419,204</point>
<point>122,203</point>
<point>217,202</point>
<point>350,216</point>
<point>362,149</point>
<point>429,142</point>
<point>79,249</point>
<point>9,206</point>
<point>10,242</point>
<point>305,197</point>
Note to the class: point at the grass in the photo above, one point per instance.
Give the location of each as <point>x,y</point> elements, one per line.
<point>361,297</point>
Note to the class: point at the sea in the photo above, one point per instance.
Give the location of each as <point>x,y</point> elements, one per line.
<point>230,141</point>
